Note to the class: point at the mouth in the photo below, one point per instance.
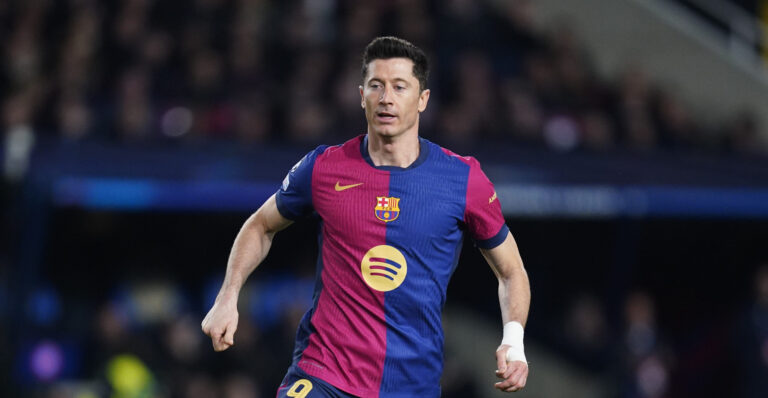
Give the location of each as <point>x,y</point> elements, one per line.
<point>385,117</point>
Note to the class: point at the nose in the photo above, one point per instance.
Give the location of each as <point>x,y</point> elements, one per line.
<point>386,95</point>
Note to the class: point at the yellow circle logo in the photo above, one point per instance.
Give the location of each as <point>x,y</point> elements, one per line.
<point>384,268</point>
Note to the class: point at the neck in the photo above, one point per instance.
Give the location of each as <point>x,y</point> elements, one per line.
<point>399,151</point>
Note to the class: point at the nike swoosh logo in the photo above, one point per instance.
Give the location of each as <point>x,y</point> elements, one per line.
<point>340,188</point>
<point>492,198</point>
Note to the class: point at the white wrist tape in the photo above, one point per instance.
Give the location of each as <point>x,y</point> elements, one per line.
<point>513,337</point>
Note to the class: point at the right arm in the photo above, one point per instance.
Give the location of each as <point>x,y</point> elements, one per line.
<point>249,250</point>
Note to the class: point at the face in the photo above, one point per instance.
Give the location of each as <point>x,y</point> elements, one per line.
<point>391,97</point>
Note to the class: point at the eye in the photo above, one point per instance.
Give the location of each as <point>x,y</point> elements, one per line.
<point>399,87</point>
<point>375,85</point>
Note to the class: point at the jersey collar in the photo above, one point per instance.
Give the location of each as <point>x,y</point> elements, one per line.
<point>423,154</point>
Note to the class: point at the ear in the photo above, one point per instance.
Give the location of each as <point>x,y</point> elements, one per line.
<point>362,97</point>
<point>423,100</point>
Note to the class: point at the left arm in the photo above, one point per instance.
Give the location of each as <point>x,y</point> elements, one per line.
<point>514,299</point>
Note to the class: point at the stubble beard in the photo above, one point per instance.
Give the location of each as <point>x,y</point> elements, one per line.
<point>389,132</point>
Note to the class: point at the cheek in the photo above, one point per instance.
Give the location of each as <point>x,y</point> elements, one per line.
<point>369,105</point>
<point>413,107</point>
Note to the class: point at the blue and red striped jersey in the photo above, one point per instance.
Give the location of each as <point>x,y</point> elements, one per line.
<point>390,240</point>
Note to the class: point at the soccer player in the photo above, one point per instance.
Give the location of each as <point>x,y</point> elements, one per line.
<point>393,208</point>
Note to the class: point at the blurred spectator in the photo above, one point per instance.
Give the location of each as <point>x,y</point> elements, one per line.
<point>579,88</point>
<point>470,114</point>
<point>586,334</point>
<point>513,22</point>
<point>200,385</point>
<point>523,112</point>
<point>741,134</point>
<point>414,21</point>
<point>598,130</point>
<point>252,122</point>
<point>347,95</point>
<point>134,112</point>
<point>675,126</point>
<point>648,362</point>
<point>240,386</point>
<point>129,377</point>
<point>541,73</point>
<point>633,110</point>
<point>19,137</point>
<point>75,118</point>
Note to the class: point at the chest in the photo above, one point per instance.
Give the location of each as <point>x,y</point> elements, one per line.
<point>409,204</point>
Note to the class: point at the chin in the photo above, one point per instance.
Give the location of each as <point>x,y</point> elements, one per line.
<point>386,131</point>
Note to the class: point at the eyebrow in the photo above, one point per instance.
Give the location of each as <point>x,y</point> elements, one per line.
<point>397,79</point>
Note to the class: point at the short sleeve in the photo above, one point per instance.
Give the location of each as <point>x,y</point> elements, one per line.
<point>482,215</point>
<point>294,198</point>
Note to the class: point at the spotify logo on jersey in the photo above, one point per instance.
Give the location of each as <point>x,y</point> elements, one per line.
<point>384,268</point>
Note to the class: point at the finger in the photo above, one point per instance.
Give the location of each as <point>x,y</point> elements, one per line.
<point>219,344</point>
<point>518,378</point>
<point>220,347</point>
<point>523,381</point>
<point>229,336</point>
<point>513,385</point>
<point>501,362</point>
<point>517,382</point>
<point>504,386</point>
<point>514,380</point>
<point>514,367</point>
<point>510,371</point>
<point>513,389</point>
<point>216,336</point>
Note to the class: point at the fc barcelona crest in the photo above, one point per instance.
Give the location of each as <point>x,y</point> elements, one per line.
<point>387,208</point>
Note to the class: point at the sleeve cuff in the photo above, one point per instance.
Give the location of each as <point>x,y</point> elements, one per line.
<point>283,209</point>
<point>495,240</point>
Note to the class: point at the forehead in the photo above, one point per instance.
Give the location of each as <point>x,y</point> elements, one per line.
<point>391,68</point>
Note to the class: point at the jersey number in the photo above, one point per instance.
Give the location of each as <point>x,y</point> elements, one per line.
<point>300,388</point>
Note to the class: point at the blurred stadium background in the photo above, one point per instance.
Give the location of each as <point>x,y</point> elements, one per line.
<point>627,140</point>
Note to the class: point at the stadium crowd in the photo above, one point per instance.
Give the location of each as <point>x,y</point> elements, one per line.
<point>260,71</point>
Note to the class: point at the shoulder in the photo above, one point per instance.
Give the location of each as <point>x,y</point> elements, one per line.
<point>347,150</point>
<point>314,154</point>
<point>476,177</point>
<point>326,152</point>
<point>450,156</point>
<point>306,163</point>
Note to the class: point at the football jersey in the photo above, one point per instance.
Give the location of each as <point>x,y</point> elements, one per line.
<point>389,241</point>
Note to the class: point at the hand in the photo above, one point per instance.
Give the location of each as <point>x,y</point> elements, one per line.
<point>220,324</point>
<point>514,373</point>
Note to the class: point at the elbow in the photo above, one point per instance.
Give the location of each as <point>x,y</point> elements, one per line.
<point>257,225</point>
<point>512,272</point>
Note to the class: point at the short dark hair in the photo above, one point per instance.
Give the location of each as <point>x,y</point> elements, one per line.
<point>393,47</point>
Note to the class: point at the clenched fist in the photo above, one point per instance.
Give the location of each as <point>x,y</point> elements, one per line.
<point>221,323</point>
